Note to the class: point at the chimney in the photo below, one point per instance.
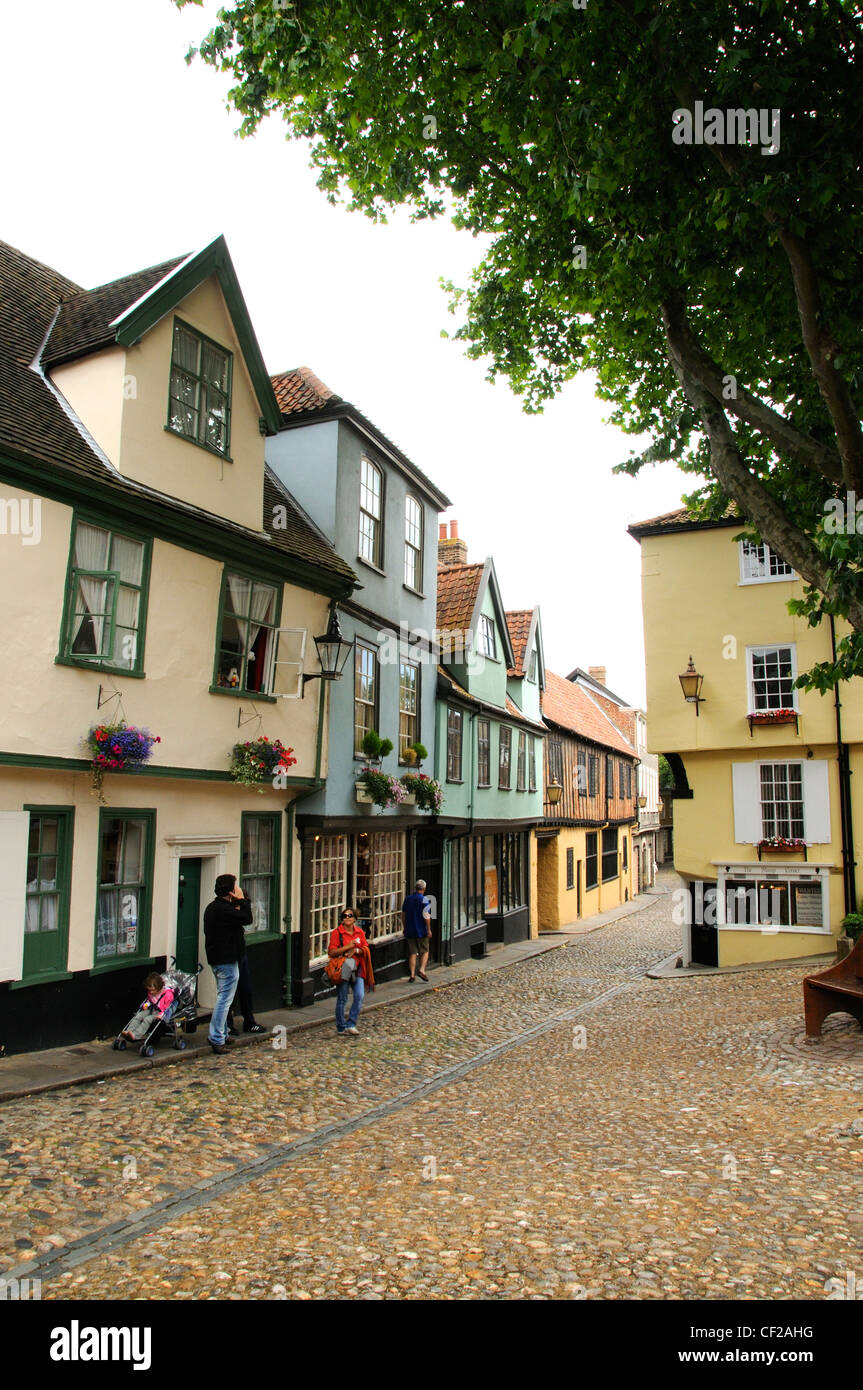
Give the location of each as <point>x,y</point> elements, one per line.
<point>597,673</point>
<point>450,550</point>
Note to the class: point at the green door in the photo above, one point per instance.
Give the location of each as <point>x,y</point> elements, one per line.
<point>188,915</point>
<point>46,923</point>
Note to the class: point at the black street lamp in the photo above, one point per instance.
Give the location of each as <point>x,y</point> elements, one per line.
<point>333,652</point>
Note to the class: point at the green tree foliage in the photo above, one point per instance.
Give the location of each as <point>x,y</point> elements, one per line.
<point>714,288</point>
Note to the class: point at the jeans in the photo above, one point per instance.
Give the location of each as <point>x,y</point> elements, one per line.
<point>359,987</point>
<point>226,984</point>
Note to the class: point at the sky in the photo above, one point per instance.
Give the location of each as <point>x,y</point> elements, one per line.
<point>117,155</point>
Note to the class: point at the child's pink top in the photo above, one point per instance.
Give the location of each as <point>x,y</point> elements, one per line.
<point>161,1001</point>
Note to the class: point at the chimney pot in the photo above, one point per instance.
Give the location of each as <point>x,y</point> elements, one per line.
<point>441,531</point>
<point>597,673</point>
<point>453,530</point>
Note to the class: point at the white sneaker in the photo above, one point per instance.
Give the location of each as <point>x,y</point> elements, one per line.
<point>352,1029</point>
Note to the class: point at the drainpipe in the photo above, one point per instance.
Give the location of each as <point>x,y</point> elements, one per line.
<point>291,811</point>
<point>847,830</point>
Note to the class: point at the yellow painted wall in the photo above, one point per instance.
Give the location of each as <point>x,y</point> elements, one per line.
<point>122,398</point>
<point>558,904</point>
<point>94,388</point>
<point>694,604</point>
<point>48,709</point>
<point>203,809</point>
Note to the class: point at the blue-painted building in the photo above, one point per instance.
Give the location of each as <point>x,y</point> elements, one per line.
<point>375,506</point>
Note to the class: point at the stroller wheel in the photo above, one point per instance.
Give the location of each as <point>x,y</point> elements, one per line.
<point>180,1045</point>
<point>116,1045</point>
<point>120,1044</point>
<point>147,1051</point>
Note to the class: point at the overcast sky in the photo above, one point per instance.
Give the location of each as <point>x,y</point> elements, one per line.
<point>116,155</point>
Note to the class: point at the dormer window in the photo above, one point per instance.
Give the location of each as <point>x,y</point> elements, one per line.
<point>487,644</point>
<point>761,565</point>
<point>371,509</point>
<point>531,669</point>
<point>200,401</point>
<point>413,543</point>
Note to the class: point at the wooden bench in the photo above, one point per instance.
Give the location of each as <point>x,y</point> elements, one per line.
<point>838,989</point>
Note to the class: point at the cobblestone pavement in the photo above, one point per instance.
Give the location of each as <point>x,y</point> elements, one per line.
<point>676,1139</point>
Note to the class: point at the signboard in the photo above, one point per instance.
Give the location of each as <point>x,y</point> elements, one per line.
<point>809,910</point>
<point>491,894</point>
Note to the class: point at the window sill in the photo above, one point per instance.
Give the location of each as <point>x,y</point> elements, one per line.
<point>455,781</point>
<point>768,579</point>
<point>102,666</point>
<point>370,565</point>
<point>48,978</point>
<point>207,448</point>
<point>411,590</point>
<point>243,694</point>
<point>259,937</point>
<point>106,967</point>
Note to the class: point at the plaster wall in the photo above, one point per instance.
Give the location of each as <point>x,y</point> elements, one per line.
<point>94,387</point>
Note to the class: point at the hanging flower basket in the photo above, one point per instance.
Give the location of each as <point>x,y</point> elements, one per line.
<point>379,789</point>
<point>257,763</point>
<point>427,792</point>
<point>116,748</point>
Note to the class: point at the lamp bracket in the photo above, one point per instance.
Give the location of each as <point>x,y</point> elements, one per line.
<point>253,714</point>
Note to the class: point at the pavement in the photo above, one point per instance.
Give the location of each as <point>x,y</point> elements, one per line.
<point>31,1073</point>
<point>563,1128</point>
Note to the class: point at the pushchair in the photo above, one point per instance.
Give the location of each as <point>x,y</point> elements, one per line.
<point>181,1017</point>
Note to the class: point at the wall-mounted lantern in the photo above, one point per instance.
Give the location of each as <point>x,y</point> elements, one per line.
<point>690,683</point>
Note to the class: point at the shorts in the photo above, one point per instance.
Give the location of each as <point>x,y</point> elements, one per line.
<point>417,944</point>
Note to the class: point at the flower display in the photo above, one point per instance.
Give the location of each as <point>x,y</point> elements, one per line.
<point>259,761</point>
<point>383,789</point>
<point>781,842</point>
<point>117,747</point>
<point>428,792</point>
<point>772,716</point>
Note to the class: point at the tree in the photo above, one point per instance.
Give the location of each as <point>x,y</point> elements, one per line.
<point>673,192</point>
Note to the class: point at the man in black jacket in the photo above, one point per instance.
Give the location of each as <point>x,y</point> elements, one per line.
<point>225,920</point>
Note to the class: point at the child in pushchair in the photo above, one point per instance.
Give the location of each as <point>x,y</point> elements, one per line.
<point>168,1007</point>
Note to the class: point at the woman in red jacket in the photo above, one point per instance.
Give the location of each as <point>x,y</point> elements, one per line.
<point>348,943</point>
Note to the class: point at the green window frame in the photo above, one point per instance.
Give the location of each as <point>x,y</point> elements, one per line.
<point>48,894</point>
<point>246,654</point>
<point>504,752</point>
<point>199,395</point>
<point>483,753</point>
<point>105,603</point>
<point>531,762</point>
<point>454,729</point>
<point>520,761</point>
<point>260,860</point>
<point>124,896</point>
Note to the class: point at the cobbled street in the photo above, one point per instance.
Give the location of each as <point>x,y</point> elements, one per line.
<point>648,1139</point>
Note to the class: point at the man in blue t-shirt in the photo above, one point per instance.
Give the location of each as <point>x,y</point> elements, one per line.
<point>416,917</point>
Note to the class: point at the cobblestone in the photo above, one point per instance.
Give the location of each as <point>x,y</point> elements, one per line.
<point>685,1145</point>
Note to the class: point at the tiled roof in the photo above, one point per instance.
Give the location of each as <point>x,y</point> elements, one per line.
<point>623,719</point>
<point>571,707</point>
<point>518,622</point>
<point>299,536</point>
<point>300,390</point>
<point>84,321</point>
<point>303,396</point>
<point>457,587</point>
<point>683,520</point>
<point>508,710</point>
<point>594,686</point>
<point>35,427</point>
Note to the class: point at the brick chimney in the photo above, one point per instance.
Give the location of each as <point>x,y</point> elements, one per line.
<point>450,550</point>
<point>597,673</point>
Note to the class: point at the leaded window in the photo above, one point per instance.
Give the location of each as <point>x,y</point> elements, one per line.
<point>504,752</point>
<point>106,599</point>
<point>200,403</point>
<point>454,722</point>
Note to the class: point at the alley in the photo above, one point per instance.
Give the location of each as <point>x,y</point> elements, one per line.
<point>563,1128</point>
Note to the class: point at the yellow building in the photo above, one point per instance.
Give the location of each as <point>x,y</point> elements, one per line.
<point>584,845</point>
<point>766,824</point>
<point>152,571</point>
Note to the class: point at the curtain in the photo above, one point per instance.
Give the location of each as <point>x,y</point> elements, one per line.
<point>91,553</point>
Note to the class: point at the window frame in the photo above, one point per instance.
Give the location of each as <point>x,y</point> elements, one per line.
<point>751,653</point>
<point>480,742</point>
<point>769,554</point>
<point>487,637</point>
<point>504,743</point>
<point>375,702</point>
<point>520,761</point>
<point>66,818</point>
<point>531,762</point>
<point>202,338</point>
<point>609,776</point>
<point>275,904</point>
<point>237,690</point>
<point>591,858</point>
<point>555,760</point>
<point>608,852</point>
<point>454,713</point>
<point>64,656</point>
<point>570,868</point>
<point>378,561</point>
<point>418,551</point>
<point>593,774</point>
<point>415,666</point>
<point>789,801</point>
<point>103,964</point>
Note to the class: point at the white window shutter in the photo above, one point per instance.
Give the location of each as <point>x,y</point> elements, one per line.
<point>14,837</point>
<point>289,662</point>
<point>816,803</point>
<point>746,787</point>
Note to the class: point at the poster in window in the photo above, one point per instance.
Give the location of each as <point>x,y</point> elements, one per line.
<point>491,890</point>
<point>809,909</point>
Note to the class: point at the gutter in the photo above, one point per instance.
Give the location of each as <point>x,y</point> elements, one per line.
<point>845,822</point>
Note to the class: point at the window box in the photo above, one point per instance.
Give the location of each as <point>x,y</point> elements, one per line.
<point>364,797</point>
<point>773,716</point>
<point>778,845</point>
